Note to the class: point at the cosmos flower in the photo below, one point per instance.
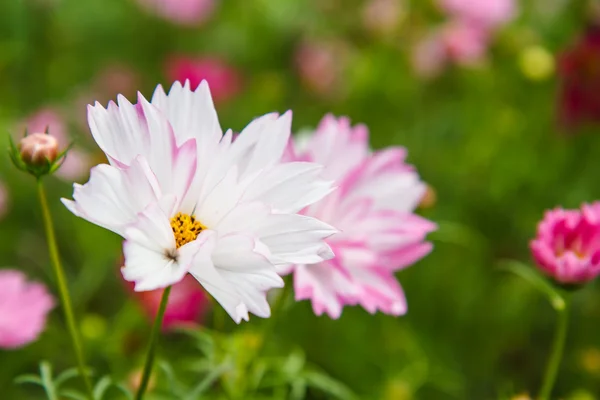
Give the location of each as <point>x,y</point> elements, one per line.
<point>373,208</point>
<point>24,307</point>
<point>567,245</point>
<point>224,80</point>
<point>184,12</point>
<point>488,14</point>
<point>186,198</point>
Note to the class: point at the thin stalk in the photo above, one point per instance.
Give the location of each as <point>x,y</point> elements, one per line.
<point>152,344</point>
<point>63,290</point>
<point>558,346</point>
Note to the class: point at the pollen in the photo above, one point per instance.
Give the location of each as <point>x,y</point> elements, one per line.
<point>186,228</point>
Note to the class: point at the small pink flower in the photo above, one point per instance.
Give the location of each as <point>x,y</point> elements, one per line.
<point>457,42</point>
<point>224,80</point>
<point>186,306</point>
<point>184,12</point>
<point>321,66</point>
<point>23,309</point>
<point>3,199</point>
<point>486,13</point>
<point>567,245</point>
<point>373,208</point>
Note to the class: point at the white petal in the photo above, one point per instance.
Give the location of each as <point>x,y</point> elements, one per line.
<point>243,218</point>
<point>113,197</point>
<point>289,187</point>
<point>250,273</point>
<point>121,132</point>
<point>295,238</point>
<point>220,201</point>
<point>147,248</point>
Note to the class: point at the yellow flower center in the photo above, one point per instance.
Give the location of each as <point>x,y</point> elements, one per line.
<point>185,228</point>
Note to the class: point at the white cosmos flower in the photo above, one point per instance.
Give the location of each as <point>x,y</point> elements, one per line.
<point>189,199</point>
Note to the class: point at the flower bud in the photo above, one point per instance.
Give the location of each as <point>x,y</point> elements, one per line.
<point>38,149</point>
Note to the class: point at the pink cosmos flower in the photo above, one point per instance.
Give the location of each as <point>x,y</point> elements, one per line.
<point>224,80</point>
<point>457,42</point>
<point>184,12</point>
<point>486,13</point>
<point>78,161</point>
<point>186,306</point>
<point>567,245</point>
<point>320,65</point>
<point>23,309</point>
<point>373,208</point>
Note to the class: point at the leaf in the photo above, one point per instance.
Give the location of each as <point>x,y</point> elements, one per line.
<point>208,380</point>
<point>124,390</point>
<point>541,284</point>
<point>29,378</point>
<point>46,374</point>
<point>101,387</point>
<point>66,375</point>
<point>298,391</point>
<point>73,394</point>
<point>328,385</point>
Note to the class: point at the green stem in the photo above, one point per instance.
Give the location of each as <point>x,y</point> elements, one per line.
<point>558,346</point>
<point>63,291</point>
<point>152,344</point>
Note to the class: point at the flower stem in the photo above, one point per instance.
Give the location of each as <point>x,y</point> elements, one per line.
<point>63,290</point>
<point>152,343</point>
<point>558,346</point>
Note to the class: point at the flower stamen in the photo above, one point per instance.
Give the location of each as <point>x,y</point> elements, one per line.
<point>186,228</point>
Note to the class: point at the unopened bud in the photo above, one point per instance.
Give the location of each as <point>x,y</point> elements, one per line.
<point>38,149</point>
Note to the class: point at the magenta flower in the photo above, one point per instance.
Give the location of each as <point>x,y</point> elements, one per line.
<point>373,208</point>
<point>184,12</point>
<point>186,306</point>
<point>224,80</point>
<point>567,245</point>
<point>23,309</point>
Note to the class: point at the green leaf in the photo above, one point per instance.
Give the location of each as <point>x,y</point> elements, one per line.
<point>101,387</point>
<point>298,391</point>
<point>540,283</point>
<point>328,385</point>
<point>66,375</point>
<point>29,378</point>
<point>46,374</point>
<point>208,381</point>
<point>72,394</point>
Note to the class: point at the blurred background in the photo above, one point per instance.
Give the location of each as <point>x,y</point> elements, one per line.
<point>495,100</point>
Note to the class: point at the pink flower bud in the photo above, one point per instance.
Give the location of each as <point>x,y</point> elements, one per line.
<point>38,149</point>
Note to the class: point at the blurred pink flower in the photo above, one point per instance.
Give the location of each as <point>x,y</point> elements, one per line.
<point>23,309</point>
<point>185,12</point>
<point>567,245</point>
<point>457,42</point>
<point>223,79</point>
<point>321,65</point>
<point>373,208</point>
<point>78,162</point>
<point>187,303</point>
<point>3,199</point>
<point>487,14</point>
